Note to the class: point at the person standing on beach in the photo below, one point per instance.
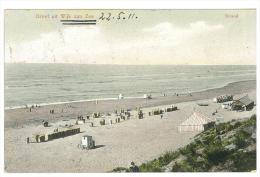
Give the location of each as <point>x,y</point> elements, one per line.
<point>28,140</point>
<point>134,168</point>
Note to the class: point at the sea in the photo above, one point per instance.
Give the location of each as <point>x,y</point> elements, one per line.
<point>43,84</point>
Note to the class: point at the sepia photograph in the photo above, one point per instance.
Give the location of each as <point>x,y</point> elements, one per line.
<point>129,90</point>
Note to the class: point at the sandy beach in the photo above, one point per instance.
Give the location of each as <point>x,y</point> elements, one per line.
<point>20,117</point>
<point>137,140</point>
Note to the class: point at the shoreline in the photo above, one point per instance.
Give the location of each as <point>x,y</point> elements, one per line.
<point>66,102</point>
<point>21,117</point>
<point>115,98</point>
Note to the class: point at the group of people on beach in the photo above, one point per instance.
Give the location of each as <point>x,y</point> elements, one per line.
<point>31,107</point>
<point>52,111</point>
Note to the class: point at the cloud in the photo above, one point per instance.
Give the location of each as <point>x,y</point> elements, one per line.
<point>202,26</point>
<point>168,31</point>
<point>194,27</point>
<point>171,44</point>
<point>70,45</point>
<point>161,28</point>
<point>163,43</point>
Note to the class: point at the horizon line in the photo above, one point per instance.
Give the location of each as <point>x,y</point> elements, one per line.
<point>134,64</point>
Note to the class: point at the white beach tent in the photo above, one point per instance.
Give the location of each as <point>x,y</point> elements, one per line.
<point>120,96</point>
<point>195,122</point>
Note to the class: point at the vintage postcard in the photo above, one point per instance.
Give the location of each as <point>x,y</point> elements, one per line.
<point>130,90</point>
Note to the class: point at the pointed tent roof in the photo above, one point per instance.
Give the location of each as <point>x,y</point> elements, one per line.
<point>196,119</point>
<point>245,100</point>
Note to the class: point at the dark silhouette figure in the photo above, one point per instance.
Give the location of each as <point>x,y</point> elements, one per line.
<point>134,168</point>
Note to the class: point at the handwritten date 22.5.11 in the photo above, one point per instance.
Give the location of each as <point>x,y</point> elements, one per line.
<point>119,16</point>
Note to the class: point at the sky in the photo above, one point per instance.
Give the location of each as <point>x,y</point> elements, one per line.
<point>149,37</point>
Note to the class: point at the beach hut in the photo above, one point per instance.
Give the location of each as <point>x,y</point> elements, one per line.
<point>79,122</point>
<point>157,111</point>
<point>45,123</point>
<point>63,132</point>
<point>120,96</point>
<point>243,104</point>
<point>96,115</point>
<point>87,142</point>
<point>102,122</point>
<point>37,138</point>
<point>196,122</point>
<point>170,109</point>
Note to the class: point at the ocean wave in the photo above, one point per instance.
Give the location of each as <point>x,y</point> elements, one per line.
<point>234,71</point>
<point>112,98</point>
<point>31,85</point>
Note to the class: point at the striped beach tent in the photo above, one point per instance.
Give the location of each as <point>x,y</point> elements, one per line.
<point>196,122</point>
